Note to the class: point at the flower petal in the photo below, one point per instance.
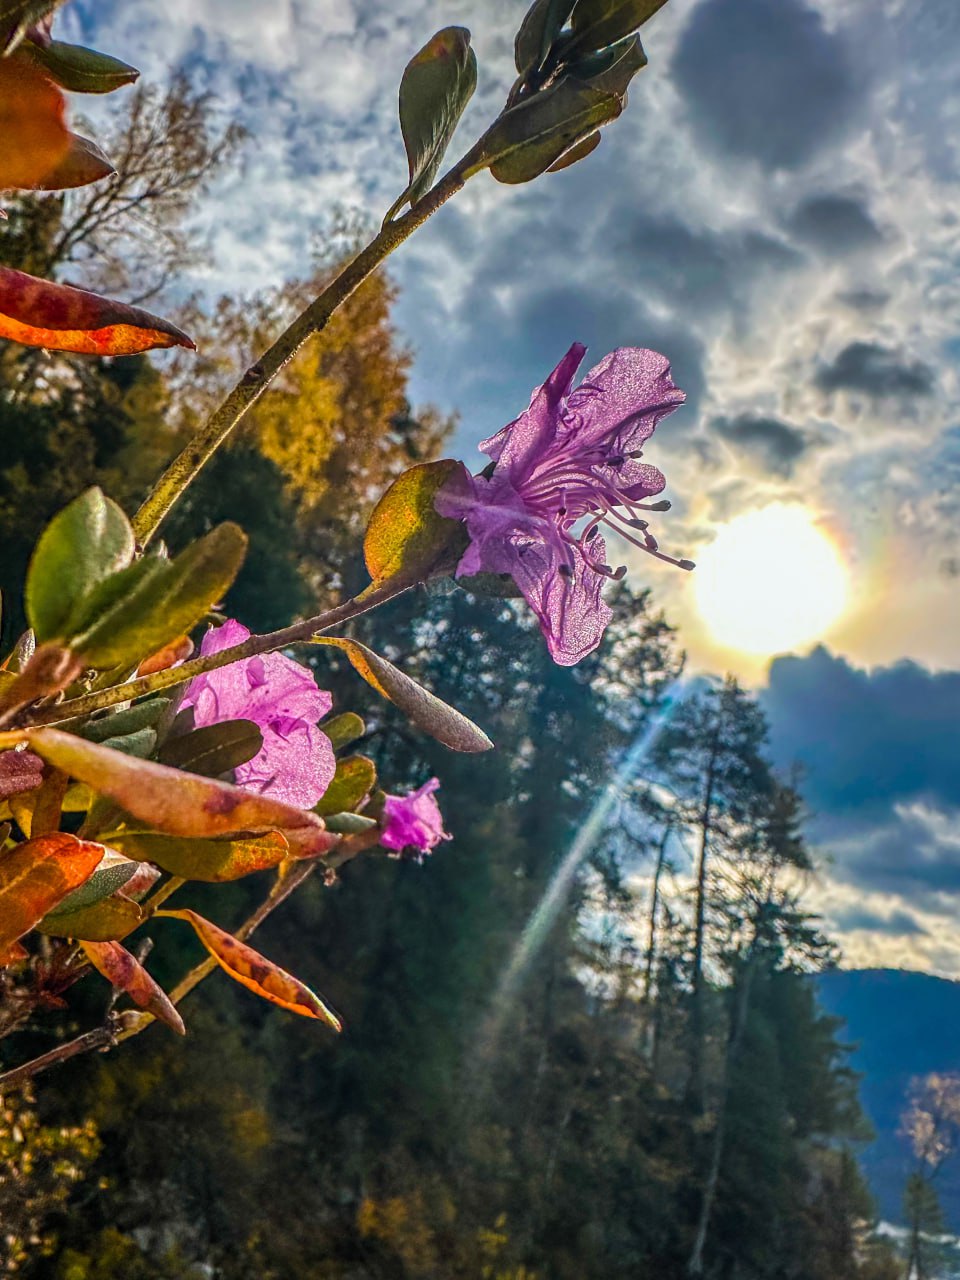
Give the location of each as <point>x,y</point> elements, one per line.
<point>622,399</point>
<point>565,598</point>
<point>517,446</point>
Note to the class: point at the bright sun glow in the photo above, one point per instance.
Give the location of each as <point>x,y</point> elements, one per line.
<point>771,581</point>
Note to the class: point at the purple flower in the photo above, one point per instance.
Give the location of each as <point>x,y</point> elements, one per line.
<point>572,456</point>
<point>296,762</point>
<point>413,821</point>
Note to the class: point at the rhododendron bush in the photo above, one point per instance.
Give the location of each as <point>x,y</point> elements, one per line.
<point>146,740</point>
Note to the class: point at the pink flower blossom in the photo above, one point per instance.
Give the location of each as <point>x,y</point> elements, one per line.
<point>296,762</point>
<point>413,821</point>
<point>571,457</point>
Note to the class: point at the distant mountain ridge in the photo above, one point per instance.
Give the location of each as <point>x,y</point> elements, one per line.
<point>903,1024</point>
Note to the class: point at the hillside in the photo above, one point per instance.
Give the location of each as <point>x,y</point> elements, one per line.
<point>903,1024</point>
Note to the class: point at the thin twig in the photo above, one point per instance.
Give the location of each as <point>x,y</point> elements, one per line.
<point>298,633</point>
<point>188,464</point>
<point>102,1038</point>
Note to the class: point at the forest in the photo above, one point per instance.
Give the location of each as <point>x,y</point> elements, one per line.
<point>573,1049</point>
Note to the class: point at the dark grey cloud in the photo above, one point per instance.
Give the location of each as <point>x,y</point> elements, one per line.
<point>836,225</point>
<point>876,371</point>
<point>864,299</point>
<point>907,854</point>
<point>776,445</point>
<point>899,924</point>
<point>765,79</point>
<point>880,771</point>
<point>866,740</point>
<point>691,266</point>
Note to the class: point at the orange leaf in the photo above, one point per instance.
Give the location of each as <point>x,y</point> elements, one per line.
<point>122,969</point>
<point>38,313</point>
<point>38,874</point>
<point>35,138</point>
<point>256,972</point>
<point>177,650</point>
<point>178,803</point>
<point>13,955</point>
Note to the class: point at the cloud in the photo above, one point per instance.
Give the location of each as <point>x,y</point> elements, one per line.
<point>776,445</point>
<point>866,739</point>
<point>898,924</point>
<point>877,371</point>
<point>765,81</point>
<point>835,224</point>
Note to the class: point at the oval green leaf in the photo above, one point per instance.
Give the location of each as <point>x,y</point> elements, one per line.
<point>212,861</point>
<point>542,24</point>
<point>407,540</point>
<point>82,545</point>
<point>355,778</point>
<point>139,612</point>
<point>437,84</point>
<point>598,23</point>
<point>529,138</point>
<point>81,70</point>
<point>214,749</point>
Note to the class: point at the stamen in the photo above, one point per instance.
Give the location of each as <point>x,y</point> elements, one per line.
<point>652,551</point>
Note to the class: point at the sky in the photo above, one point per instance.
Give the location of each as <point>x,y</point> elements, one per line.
<point>777,212</point>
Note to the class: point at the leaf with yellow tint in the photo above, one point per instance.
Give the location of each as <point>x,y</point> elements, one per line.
<point>421,707</point>
<point>256,972</point>
<point>180,804</point>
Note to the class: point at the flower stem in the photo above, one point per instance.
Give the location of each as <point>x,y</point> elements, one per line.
<point>190,461</point>
<point>298,633</point>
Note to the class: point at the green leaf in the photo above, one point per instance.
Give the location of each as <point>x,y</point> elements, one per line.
<point>542,24</point>
<point>212,861</point>
<point>597,23</point>
<point>139,744</point>
<point>579,151</point>
<point>407,539</point>
<point>343,729</point>
<point>142,715</point>
<point>160,604</point>
<point>349,824</point>
<point>612,69</point>
<point>80,70</point>
<point>214,749</point>
<point>111,875</point>
<point>437,85</point>
<point>355,778</point>
<point>82,545</point>
<point>529,138</point>
<point>105,921</point>
<point>18,16</point>
<point>421,707</point>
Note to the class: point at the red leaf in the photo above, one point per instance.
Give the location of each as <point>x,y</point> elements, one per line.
<point>123,970</point>
<point>38,313</point>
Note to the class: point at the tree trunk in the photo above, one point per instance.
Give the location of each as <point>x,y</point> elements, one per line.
<point>695,1081</point>
<point>654,908</point>
<point>734,1041</point>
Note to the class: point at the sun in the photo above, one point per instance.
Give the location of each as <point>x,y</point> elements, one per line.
<point>771,581</point>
